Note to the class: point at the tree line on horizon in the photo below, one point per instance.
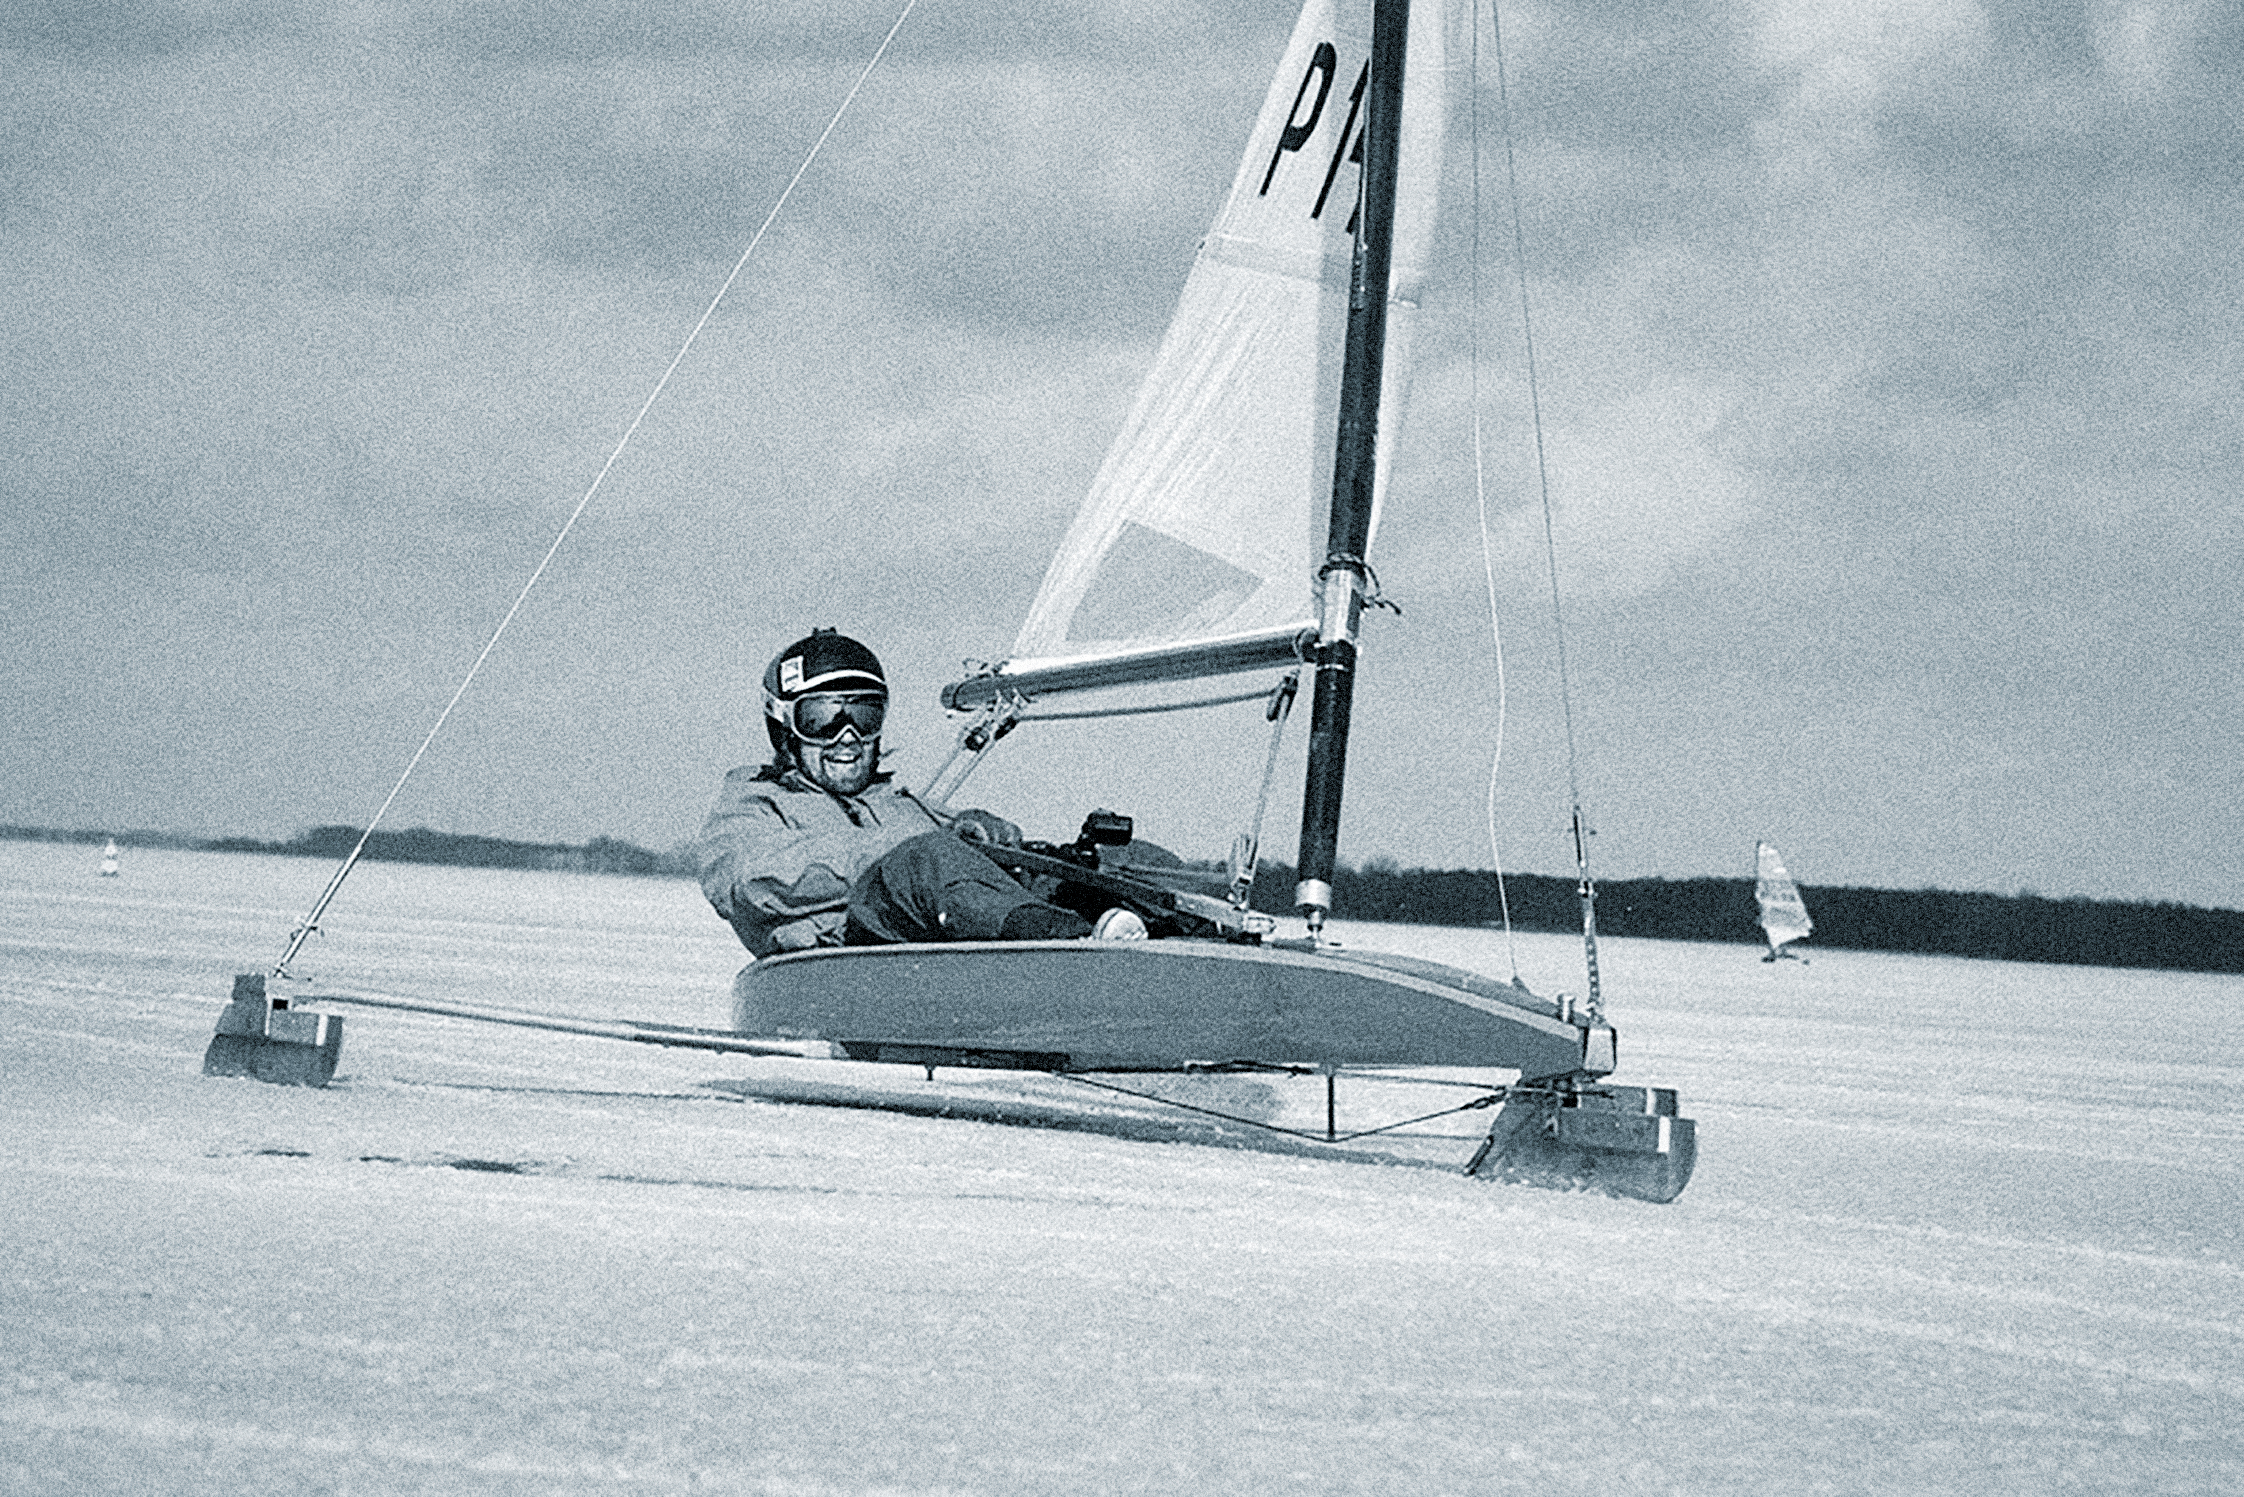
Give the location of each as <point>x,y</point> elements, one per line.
<point>415,845</point>
<point>1998,927</point>
<point>1944,922</point>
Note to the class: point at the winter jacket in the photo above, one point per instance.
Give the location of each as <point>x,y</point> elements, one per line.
<point>778,853</point>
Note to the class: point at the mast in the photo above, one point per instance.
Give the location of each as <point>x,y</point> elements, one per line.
<point>1345,574</point>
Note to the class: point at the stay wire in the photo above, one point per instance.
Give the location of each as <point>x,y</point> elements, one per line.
<point>1594,1005</point>
<point>310,922</point>
<point>1535,401</point>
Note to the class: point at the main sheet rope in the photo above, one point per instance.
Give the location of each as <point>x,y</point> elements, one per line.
<point>310,922</point>
<point>1487,547</point>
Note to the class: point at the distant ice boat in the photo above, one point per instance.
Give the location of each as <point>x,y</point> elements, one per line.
<point>109,859</point>
<point>1784,916</point>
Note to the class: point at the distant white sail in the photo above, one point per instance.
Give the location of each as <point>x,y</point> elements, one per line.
<point>109,859</point>
<point>1206,520</point>
<point>1784,916</point>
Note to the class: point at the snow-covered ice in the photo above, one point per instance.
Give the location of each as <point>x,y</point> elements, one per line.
<point>1957,1227</point>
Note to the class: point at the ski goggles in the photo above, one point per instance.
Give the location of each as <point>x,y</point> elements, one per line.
<point>821,716</point>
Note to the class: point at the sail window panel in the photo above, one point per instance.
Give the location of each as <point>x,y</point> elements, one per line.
<point>1151,587</point>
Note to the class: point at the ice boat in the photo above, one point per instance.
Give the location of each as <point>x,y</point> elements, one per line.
<point>1194,557</point>
<point>1198,555</point>
<point>1784,915</point>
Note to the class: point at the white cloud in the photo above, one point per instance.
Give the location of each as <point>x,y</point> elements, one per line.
<point>2142,42</point>
<point>1638,489</point>
<point>1848,52</point>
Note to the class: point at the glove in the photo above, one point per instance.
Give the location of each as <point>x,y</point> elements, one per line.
<point>982,826</point>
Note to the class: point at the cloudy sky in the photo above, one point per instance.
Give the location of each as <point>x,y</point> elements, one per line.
<point>1888,358</point>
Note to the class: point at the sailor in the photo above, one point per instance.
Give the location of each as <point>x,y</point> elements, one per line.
<point>818,848</point>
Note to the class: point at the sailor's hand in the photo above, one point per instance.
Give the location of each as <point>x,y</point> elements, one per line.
<point>982,826</point>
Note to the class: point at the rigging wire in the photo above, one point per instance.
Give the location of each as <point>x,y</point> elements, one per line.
<point>1594,1005</point>
<point>1084,714</point>
<point>1490,1097</point>
<point>310,922</point>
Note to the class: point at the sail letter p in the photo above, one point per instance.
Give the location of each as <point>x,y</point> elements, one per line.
<point>1322,66</point>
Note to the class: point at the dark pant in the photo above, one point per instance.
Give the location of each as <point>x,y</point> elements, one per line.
<point>938,887</point>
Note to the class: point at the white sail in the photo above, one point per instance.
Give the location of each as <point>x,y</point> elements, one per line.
<point>1205,523</point>
<point>1784,916</point>
<point>109,859</point>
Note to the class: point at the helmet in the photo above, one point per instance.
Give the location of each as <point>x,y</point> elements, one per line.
<point>824,661</point>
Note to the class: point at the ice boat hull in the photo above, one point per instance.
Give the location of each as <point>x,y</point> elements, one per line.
<point>1160,1005</point>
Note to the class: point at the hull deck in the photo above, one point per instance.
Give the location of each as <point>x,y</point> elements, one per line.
<point>1161,1005</point>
